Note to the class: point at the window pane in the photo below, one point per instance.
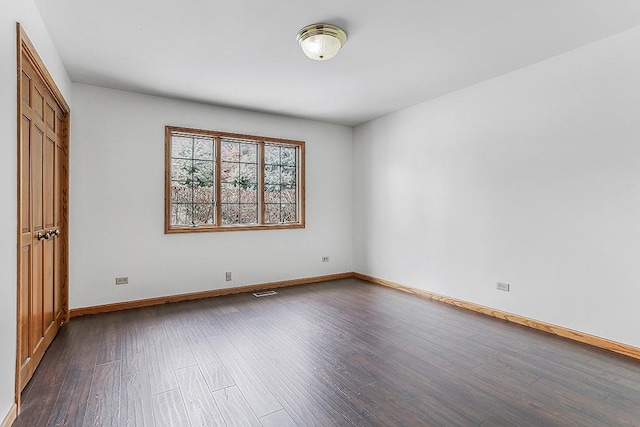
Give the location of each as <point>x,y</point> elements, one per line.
<point>248,176</point>
<point>202,214</point>
<point>181,171</point>
<point>181,193</point>
<point>288,196</point>
<point>281,180</point>
<point>230,214</point>
<point>192,181</point>
<point>272,213</point>
<point>272,193</point>
<point>203,195</point>
<point>288,156</point>
<point>248,214</point>
<point>181,146</point>
<point>288,213</point>
<point>288,176</point>
<point>249,196</point>
<point>180,214</point>
<point>271,154</point>
<point>271,174</point>
<point>230,151</point>
<point>202,173</point>
<point>249,153</point>
<point>229,172</point>
<point>203,148</point>
<point>229,193</point>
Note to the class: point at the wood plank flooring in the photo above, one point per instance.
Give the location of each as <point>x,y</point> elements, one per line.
<point>341,353</point>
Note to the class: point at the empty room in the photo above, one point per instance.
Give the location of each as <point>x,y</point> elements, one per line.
<point>338,213</point>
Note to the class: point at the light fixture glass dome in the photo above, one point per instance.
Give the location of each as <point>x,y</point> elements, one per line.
<point>321,41</point>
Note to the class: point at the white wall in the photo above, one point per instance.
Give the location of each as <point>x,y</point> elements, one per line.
<point>117,202</point>
<point>531,178</point>
<point>26,13</point>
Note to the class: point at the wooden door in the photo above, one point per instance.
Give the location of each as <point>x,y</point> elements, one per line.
<point>42,216</point>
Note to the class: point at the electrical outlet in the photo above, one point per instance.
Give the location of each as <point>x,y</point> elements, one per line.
<point>503,286</point>
<point>122,280</point>
<point>325,259</point>
<point>227,276</point>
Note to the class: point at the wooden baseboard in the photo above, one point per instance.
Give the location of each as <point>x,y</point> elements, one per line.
<point>75,312</point>
<point>595,341</point>
<point>604,343</point>
<point>11,416</point>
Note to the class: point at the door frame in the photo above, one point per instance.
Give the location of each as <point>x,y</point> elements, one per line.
<point>24,46</point>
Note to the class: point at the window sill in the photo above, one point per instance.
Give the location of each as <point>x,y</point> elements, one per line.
<point>242,227</point>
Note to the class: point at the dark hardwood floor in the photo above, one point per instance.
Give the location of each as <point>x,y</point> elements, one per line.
<point>336,353</point>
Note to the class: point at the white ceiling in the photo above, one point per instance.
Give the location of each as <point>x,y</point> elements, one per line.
<point>243,53</point>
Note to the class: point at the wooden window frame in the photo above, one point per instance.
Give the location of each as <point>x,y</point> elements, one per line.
<point>170,131</point>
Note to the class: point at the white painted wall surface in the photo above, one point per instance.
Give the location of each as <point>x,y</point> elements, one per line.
<point>117,203</point>
<point>531,178</point>
<point>26,13</point>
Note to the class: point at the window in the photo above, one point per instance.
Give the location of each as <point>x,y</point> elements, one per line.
<point>217,181</point>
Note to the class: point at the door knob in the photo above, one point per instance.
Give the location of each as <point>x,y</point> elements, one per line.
<point>44,236</point>
<point>54,232</point>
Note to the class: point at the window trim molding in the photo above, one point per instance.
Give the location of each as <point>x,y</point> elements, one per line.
<point>171,229</point>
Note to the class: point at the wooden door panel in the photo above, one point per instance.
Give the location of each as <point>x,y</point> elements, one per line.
<point>43,193</point>
<point>25,200</point>
<point>37,251</point>
<point>47,284</point>
<point>37,145</point>
<point>37,92</point>
<point>36,294</point>
<point>49,183</point>
<point>25,89</point>
<point>57,295</point>
<point>64,228</point>
<point>24,314</point>
<point>50,115</point>
<point>57,277</point>
<point>57,186</point>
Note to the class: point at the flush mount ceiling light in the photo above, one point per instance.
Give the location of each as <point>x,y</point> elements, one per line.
<point>321,41</point>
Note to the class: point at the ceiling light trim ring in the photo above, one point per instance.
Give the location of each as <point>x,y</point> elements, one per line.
<point>317,29</point>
